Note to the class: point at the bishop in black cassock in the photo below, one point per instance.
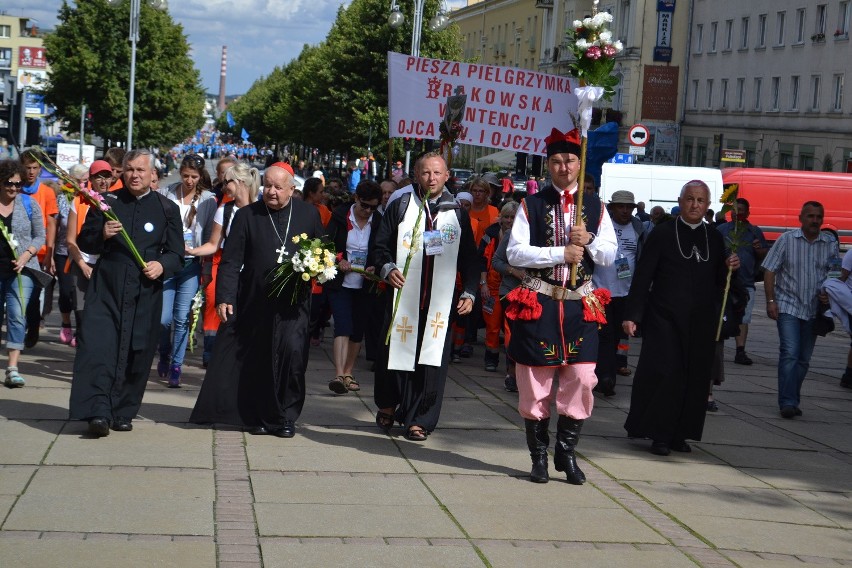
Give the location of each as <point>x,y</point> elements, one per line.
<point>256,376</point>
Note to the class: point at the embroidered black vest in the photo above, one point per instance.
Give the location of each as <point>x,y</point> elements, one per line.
<point>546,219</point>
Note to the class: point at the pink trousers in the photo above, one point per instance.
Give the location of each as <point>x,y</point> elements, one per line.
<point>574,397</point>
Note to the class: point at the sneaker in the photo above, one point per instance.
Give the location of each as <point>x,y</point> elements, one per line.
<point>13,379</point>
<point>466,351</point>
<point>163,367</point>
<point>174,377</point>
<point>510,384</point>
<point>455,357</point>
<point>66,336</point>
<point>788,412</point>
<point>742,359</point>
<point>492,360</point>
<point>73,341</point>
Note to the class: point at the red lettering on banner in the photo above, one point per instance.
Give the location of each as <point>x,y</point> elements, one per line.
<point>474,94</point>
<point>506,99</point>
<point>433,88</point>
<point>548,106</point>
<point>417,128</point>
<point>536,104</point>
<point>522,101</point>
<point>490,96</point>
<point>434,66</point>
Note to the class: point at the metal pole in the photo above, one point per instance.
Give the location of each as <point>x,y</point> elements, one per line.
<point>417,27</point>
<point>82,129</point>
<point>22,126</point>
<point>135,7</point>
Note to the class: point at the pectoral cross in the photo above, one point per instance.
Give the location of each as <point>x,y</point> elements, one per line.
<point>437,325</point>
<point>404,329</point>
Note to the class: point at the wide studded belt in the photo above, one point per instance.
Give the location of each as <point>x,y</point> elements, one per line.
<point>557,293</point>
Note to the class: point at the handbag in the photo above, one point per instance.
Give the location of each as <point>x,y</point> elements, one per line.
<point>823,325</point>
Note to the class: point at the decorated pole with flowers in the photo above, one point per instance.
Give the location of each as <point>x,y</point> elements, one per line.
<point>594,60</point>
<point>450,128</point>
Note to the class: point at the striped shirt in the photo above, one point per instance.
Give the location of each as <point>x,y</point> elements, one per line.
<point>801,268</point>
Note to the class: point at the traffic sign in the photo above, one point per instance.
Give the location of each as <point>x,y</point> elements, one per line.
<point>638,135</point>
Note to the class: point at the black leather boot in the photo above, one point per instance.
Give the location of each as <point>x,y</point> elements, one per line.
<point>538,440</point>
<point>567,436</point>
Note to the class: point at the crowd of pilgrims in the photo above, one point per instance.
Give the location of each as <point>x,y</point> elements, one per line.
<point>61,237</point>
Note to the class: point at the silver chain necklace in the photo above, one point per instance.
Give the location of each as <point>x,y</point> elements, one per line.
<point>695,252</point>
<point>277,234</point>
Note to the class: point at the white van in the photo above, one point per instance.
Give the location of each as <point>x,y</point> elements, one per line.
<point>658,185</point>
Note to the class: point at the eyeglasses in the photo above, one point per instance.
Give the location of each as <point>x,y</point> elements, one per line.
<point>198,161</point>
<point>101,177</point>
<point>17,184</point>
<point>367,206</point>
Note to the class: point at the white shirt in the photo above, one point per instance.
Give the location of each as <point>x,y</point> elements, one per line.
<point>607,276</point>
<point>357,240</point>
<point>522,254</point>
<point>219,219</point>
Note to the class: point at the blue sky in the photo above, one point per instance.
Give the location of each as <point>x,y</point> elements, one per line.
<point>260,34</point>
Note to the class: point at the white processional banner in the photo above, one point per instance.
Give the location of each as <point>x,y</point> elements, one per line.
<point>509,108</point>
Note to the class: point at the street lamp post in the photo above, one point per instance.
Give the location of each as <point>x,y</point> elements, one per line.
<point>135,11</point>
<point>437,23</point>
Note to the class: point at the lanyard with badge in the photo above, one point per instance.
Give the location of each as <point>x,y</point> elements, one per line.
<point>432,238</point>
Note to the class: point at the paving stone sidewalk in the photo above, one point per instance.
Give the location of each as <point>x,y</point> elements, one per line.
<point>758,491</point>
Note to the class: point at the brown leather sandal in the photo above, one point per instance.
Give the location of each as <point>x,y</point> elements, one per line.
<point>338,385</point>
<point>351,383</point>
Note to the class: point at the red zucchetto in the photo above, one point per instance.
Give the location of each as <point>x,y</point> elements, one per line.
<point>284,166</point>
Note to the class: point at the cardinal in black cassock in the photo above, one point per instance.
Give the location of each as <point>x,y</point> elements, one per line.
<point>120,329</point>
<point>256,376</point>
<point>674,298</point>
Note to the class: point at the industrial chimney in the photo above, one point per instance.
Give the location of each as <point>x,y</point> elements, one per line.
<point>222,78</point>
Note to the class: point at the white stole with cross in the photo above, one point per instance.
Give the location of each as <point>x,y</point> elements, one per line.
<point>403,342</point>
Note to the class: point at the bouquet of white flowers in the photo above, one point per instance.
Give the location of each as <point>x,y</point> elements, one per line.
<point>315,258</point>
<point>594,52</point>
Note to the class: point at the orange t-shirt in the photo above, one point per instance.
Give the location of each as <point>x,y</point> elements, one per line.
<point>325,213</point>
<point>46,199</point>
<point>484,218</point>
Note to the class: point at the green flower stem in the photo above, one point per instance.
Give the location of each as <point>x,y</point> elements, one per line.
<point>724,302</point>
<point>411,252</point>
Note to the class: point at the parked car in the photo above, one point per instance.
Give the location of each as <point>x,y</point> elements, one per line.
<point>462,175</point>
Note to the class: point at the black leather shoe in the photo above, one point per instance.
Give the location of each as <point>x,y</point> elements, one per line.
<point>122,425</point>
<point>660,448</point>
<point>258,431</point>
<point>681,446</point>
<point>788,412</point>
<point>798,411</point>
<point>286,431</point>
<point>99,427</point>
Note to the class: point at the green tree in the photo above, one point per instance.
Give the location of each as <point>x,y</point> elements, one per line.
<point>333,94</point>
<point>89,56</point>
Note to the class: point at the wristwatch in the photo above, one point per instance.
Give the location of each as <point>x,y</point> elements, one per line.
<point>591,239</point>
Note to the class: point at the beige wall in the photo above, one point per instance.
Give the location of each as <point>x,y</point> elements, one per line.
<point>14,36</point>
<point>500,32</point>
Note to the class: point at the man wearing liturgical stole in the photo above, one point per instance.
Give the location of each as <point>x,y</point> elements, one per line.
<point>555,325</point>
<point>412,369</point>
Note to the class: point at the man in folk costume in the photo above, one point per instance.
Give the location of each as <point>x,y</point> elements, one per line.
<point>555,323</point>
<point>412,369</point>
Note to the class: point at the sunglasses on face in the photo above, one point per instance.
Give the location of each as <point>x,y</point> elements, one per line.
<point>367,206</point>
<point>17,184</point>
<point>197,161</point>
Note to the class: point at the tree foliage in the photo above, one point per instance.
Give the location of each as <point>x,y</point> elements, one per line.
<point>89,55</point>
<point>333,94</point>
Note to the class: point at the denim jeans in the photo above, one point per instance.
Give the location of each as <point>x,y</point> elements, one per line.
<point>797,344</point>
<point>16,324</point>
<point>178,292</point>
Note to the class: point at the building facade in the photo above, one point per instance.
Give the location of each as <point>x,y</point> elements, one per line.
<point>767,77</point>
<point>22,57</point>
<point>532,34</point>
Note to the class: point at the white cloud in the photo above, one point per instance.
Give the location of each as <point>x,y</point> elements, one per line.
<point>260,34</point>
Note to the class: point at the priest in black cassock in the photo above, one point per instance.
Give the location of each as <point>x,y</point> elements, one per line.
<point>256,376</point>
<point>411,370</point>
<point>118,336</point>
<point>674,299</point>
